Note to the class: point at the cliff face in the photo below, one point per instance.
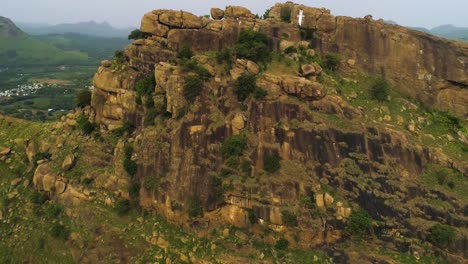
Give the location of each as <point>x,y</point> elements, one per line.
<point>369,165</point>
<point>430,69</point>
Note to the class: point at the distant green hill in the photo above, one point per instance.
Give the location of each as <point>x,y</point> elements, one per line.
<point>19,49</point>
<point>27,51</point>
<point>86,28</point>
<point>98,48</point>
<point>447,31</point>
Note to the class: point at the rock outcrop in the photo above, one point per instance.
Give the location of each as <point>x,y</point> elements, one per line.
<point>183,153</point>
<point>428,68</point>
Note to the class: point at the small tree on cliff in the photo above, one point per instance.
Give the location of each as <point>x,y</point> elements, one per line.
<point>83,98</point>
<point>136,34</point>
<point>253,46</point>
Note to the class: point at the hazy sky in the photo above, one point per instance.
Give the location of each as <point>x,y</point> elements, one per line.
<point>127,13</point>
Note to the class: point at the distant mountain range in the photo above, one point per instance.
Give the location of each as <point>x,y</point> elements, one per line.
<point>20,49</point>
<point>86,28</point>
<point>450,32</point>
<point>444,31</point>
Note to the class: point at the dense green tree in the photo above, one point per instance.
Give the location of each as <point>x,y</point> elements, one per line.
<point>253,45</point>
<point>136,34</point>
<point>441,235</point>
<point>83,98</point>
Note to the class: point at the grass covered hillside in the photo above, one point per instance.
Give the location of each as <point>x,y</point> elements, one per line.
<point>28,51</point>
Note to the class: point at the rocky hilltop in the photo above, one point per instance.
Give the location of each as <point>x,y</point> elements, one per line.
<point>8,29</point>
<point>307,136</point>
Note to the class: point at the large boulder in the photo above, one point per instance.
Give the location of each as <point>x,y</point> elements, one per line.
<point>217,14</point>
<point>44,178</point>
<point>312,69</point>
<point>68,162</point>
<point>150,24</point>
<point>179,19</point>
<point>298,86</point>
<point>238,12</point>
<point>4,151</point>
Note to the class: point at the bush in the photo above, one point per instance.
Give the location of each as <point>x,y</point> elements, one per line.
<point>285,14</point>
<point>253,46</point>
<point>252,217</point>
<point>259,93</point>
<point>38,198</point>
<point>60,231</point>
<point>232,162</point>
<point>246,167</point>
<point>145,86</point>
<point>136,34</point>
<point>331,61</point>
<point>184,53</point>
<point>54,210</point>
<point>41,156</point>
<point>84,124</point>
<point>119,57</point>
<point>441,235</point>
<point>192,65</point>
<point>281,244</point>
<point>122,207</point>
<point>193,87</point>
<point>194,207</point>
<point>150,115</point>
<point>245,85</point>
<point>83,98</point>
<point>151,183</point>
<point>224,56</point>
<point>234,146</point>
<point>289,218</point>
<point>446,119</point>
<point>290,49</point>
<point>130,167</point>
<point>380,89</point>
<point>127,128</point>
<point>271,163</point>
<point>359,223</point>
<point>134,190</point>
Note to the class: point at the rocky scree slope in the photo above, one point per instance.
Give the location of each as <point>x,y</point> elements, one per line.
<point>298,158</point>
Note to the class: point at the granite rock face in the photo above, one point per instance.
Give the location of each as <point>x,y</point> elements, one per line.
<point>183,152</point>
<point>427,68</point>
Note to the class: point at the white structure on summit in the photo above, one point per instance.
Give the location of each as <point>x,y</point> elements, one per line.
<point>300,17</point>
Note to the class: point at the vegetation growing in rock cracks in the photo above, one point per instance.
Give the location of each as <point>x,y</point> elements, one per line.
<point>234,146</point>
<point>83,98</point>
<point>85,126</point>
<point>185,53</point>
<point>359,224</point>
<point>380,90</point>
<point>253,45</point>
<point>246,85</point>
<point>145,86</point>
<point>194,207</point>
<point>193,86</point>
<point>331,61</point>
<point>271,163</point>
<point>136,34</point>
<point>289,218</point>
<point>129,165</point>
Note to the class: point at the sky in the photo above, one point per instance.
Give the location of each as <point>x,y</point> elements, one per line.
<point>128,13</point>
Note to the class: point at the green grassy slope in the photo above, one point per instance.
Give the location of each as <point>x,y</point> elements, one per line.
<point>27,51</point>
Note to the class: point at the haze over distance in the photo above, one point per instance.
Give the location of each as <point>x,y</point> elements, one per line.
<point>127,13</point>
